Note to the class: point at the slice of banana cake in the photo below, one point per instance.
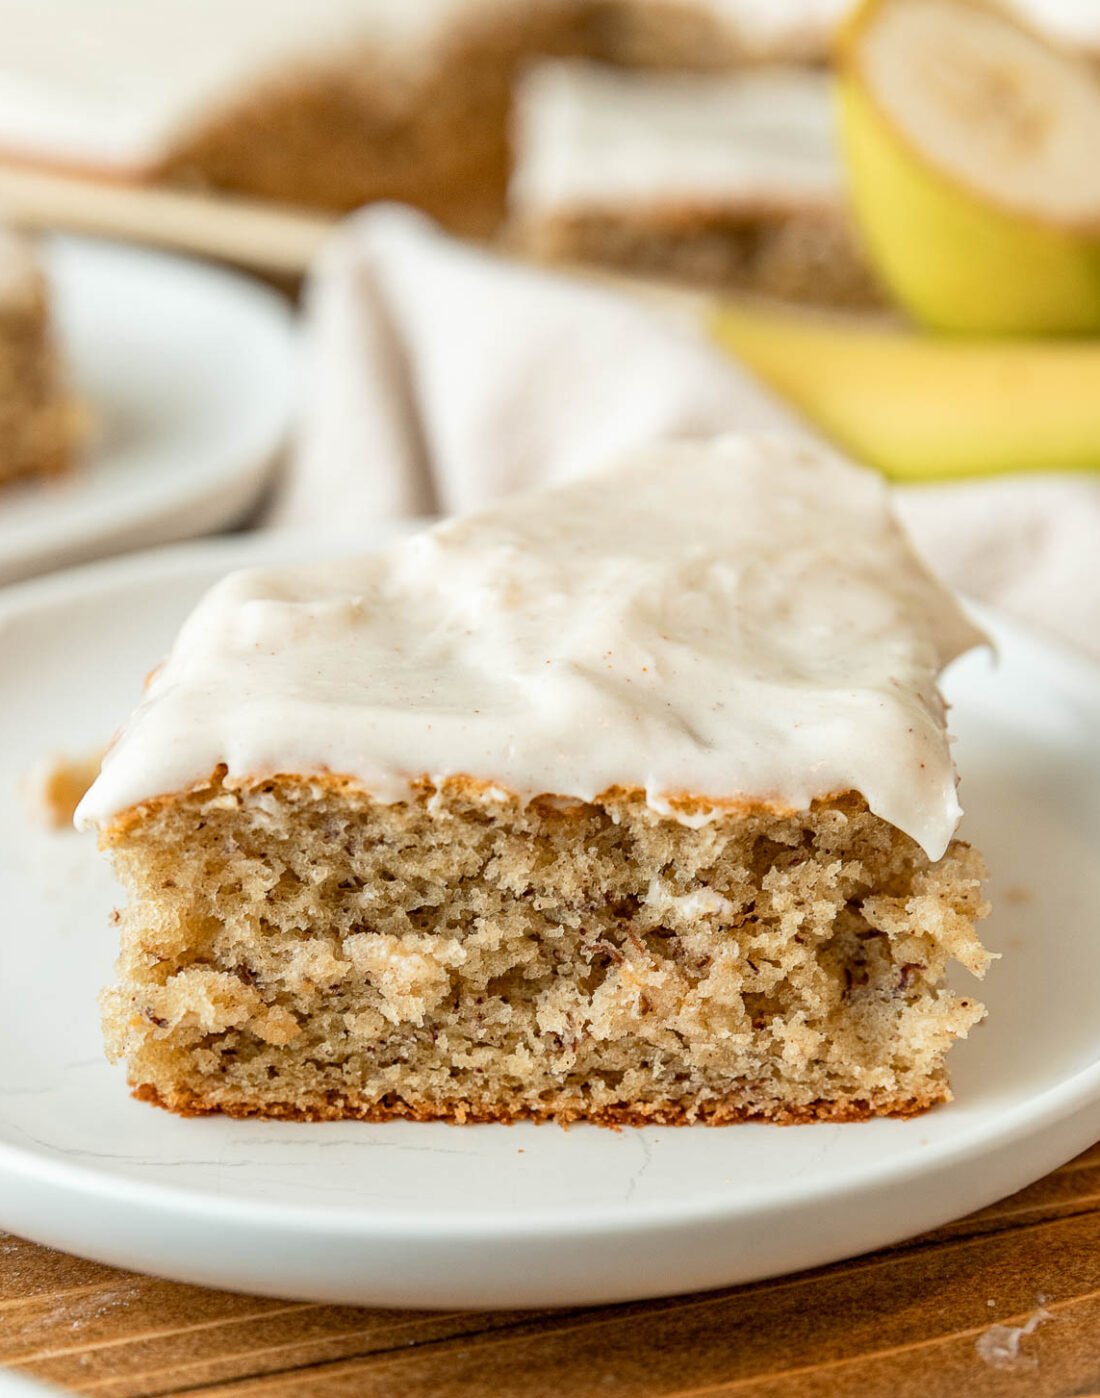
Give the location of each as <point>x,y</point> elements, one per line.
<point>625,801</point>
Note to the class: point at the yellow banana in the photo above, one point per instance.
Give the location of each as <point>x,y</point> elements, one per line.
<point>972,153</point>
<point>918,406</point>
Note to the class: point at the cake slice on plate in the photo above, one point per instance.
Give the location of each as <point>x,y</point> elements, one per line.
<point>36,416</point>
<point>728,179</point>
<point>626,801</point>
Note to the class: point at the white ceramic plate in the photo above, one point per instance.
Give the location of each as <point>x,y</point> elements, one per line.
<point>435,1215</point>
<point>13,1385</point>
<point>186,373</point>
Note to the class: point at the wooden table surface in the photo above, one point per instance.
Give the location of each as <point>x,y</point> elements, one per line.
<point>936,1317</point>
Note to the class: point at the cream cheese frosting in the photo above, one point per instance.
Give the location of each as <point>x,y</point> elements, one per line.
<point>117,83</point>
<point>591,137</point>
<point>735,619</point>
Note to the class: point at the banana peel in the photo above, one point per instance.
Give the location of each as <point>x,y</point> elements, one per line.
<point>920,407</point>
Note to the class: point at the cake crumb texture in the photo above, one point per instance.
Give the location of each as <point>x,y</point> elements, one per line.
<point>295,949</point>
<point>807,255</point>
<point>37,420</point>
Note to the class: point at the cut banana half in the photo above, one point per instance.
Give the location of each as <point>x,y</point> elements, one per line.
<point>973,150</point>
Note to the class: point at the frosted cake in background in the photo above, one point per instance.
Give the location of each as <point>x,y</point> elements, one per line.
<point>725,180</point>
<point>334,103</point>
<point>36,416</point>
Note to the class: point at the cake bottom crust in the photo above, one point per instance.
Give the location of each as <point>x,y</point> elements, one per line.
<point>810,256</point>
<point>726,1112</point>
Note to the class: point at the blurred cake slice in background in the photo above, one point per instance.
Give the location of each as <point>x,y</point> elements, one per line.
<point>331,103</point>
<point>721,179</point>
<point>336,103</point>
<point>37,419</point>
<point>626,801</point>
<point>714,34</point>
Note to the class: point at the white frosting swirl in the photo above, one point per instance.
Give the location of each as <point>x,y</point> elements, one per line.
<point>735,619</point>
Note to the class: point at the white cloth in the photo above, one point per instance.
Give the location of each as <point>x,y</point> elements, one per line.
<point>1027,543</point>
<point>438,377</point>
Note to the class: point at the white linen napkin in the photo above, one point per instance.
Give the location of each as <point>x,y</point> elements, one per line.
<point>438,377</point>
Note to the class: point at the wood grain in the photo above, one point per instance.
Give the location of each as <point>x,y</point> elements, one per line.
<point>907,1322</point>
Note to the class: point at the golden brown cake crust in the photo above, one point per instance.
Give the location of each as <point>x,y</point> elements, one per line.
<point>458,788</point>
<point>719,1113</point>
<point>344,133</point>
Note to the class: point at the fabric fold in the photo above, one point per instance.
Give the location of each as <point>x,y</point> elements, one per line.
<point>439,376</point>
